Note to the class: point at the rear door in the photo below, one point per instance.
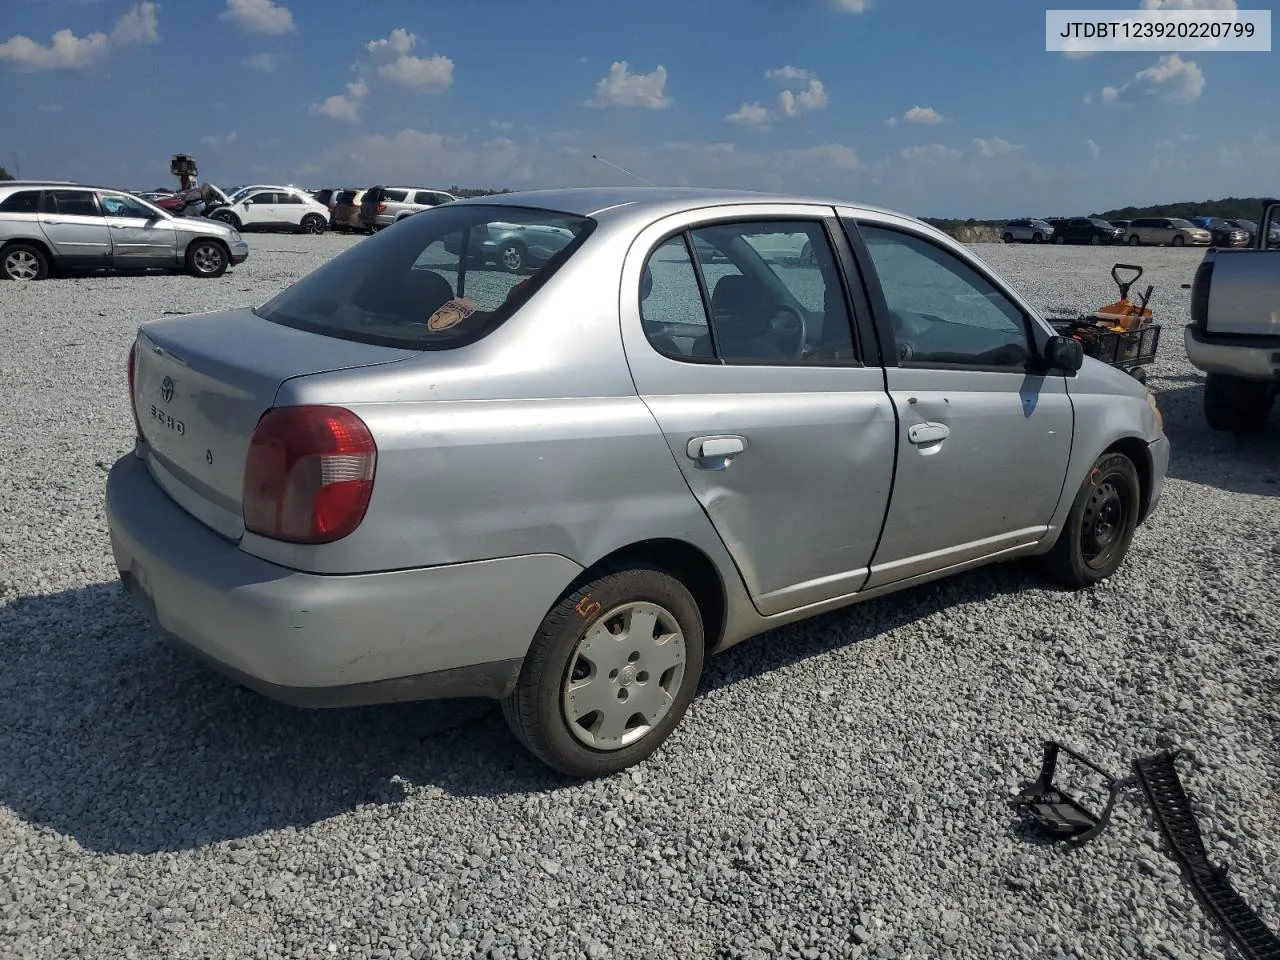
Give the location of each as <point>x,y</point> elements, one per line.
<point>290,208</point>
<point>139,238</point>
<point>983,440</point>
<point>75,227</point>
<point>772,407</point>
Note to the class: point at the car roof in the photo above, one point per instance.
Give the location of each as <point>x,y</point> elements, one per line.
<point>656,202</point>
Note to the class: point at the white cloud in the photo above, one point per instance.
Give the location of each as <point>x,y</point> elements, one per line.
<point>344,106</point>
<point>789,74</point>
<point>752,115</point>
<point>852,6</point>
<point>66,51</point>
<point>922,115</point>
<point>266,62</point>
<point>813,97</point>
<point>501,124</point>
<point>995,146</point>
<point>622,88</point>
<point>891,122</point>
<point>1095,151</point>
<point>396,63</point>
<point>217,140</point>
<point>262,17</point>
<point>930,153</point>
<point>1170,78</point>
<point>1188,5</point>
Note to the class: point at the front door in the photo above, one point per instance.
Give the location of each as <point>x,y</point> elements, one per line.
<point>752,370</point>
<point>75,228</point>
<point>984,442</point>
<point>139,238</point>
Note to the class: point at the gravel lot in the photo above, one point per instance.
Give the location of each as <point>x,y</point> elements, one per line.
<point>838,789</point>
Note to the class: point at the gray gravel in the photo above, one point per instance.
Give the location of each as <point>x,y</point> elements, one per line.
<point>837,790</point>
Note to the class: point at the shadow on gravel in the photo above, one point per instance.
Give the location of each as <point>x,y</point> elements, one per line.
<point>128,747</point>
<point>1199,454</point>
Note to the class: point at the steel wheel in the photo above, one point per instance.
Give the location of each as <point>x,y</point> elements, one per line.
<point>21,264</point>
<point>1104,521</point>
<point>623,676</point>
<point>1099,528</point>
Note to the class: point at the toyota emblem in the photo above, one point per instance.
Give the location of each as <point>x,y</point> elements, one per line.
<point>166,389</point>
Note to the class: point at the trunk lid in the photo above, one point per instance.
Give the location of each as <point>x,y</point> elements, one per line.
<point>200,385</point>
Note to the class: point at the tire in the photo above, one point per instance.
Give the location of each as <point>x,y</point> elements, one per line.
<point>1058,239</point>
<point>313,223</point>
<point>1139,374</point>
<point>208,259</point>
<point>1236,405</point>
<point>558,668</point>
<point>511,257</point>
<point>227,217</point>
<point>1095,240</point>
<point>23,261</point>
<point>1037,238</point>
<point>1178,241</point>
<point>1008,237</point>
<point>1134,241</point>
<point>1099,528</point>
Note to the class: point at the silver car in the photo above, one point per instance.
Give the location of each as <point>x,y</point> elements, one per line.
<point>407,477</point>
<point>1027,230</point>
<point>46,228</point>
<point>382,206</point>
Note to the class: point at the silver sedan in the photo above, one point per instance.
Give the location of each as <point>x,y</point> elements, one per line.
<point>411,475</point>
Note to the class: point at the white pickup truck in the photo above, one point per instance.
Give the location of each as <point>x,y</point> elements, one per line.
<point>1234,334</point>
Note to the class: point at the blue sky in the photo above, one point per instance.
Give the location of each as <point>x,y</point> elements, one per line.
<point>935,108</point>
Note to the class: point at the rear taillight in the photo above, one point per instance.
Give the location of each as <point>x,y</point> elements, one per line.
<point>308,475</point>
<point>133,376</point>
<point>382,208</point>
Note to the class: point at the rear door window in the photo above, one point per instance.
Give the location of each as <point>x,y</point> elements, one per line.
<point>74,203</point>
<point>432,283</point>
<point>393,196</point>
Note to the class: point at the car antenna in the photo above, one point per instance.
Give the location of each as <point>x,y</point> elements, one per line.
<point>627,172</point>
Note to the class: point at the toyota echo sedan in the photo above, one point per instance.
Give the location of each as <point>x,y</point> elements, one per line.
<point>412,474</point>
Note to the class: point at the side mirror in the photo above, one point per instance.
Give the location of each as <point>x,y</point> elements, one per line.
<point>1064,353</point>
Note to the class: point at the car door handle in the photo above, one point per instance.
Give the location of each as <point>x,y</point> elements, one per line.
<point>715,448</point>
<point>928,432</point>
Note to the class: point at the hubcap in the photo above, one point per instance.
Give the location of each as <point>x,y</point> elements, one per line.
<point>1104,521</point>
<point>511,258</point>
<point>21,265</point>
<point>207,259</point>
<point>623,676</point>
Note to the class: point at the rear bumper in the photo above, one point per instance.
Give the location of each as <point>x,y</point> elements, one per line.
<point>1247,359</point>
<point>317,641</point>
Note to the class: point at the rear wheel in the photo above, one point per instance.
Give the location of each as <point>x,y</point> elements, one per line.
<point>511,256</point>
<point>1100,525</point>
<point>1008,237</point>
<point>1134,241</point>
<point>1037,238</point>
<point>610,673</point>
<point>313,223</point>
<point>22,261</point>
<point>207,258</point>
<point>1236,405</point>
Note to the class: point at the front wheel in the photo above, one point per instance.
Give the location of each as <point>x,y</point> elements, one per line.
<point>1037,238</point>
<point>1095,240</point>
<point>609,674</point>
<point>1178,241</point>
<point>227,217</point>
<point>1236,405</point>
<point>1134,241</point>
<point>1008,237</point>
<point>1100,525</point>
<point>207,258</point>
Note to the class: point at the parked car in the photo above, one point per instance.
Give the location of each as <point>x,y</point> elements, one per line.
<point>1027,229</point>
<point>1092,230</point>
<point>58,227</point>
<point>516,247</point>
<point>1223,232</point>
<point>1234,333</point>
<point>1171,231</point>
<point>382,206</point>
<point>346,212</point>
<point>404,478</point>
<point>271,207</point>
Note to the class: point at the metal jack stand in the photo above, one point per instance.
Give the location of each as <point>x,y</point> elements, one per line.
<point>1058,813</point>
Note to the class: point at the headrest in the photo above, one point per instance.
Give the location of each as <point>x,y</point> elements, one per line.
<point>741,304</point>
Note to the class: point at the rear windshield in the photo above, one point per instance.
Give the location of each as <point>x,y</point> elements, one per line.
<point>433,282</point>
<point>346,196</point>
<point>1179,222</point>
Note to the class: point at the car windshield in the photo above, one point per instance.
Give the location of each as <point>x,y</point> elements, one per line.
<point>1099,222</point>
<point>1180,223</point>
<point>433,282</point>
